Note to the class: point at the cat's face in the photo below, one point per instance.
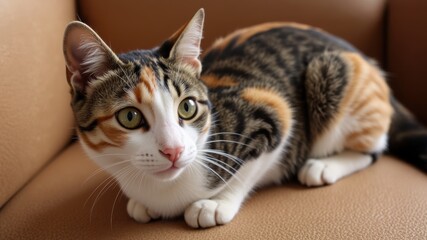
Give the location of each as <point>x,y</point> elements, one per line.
<point>145,111</point>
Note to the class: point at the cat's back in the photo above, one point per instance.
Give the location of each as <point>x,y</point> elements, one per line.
<point>277,50</point>
<point>255,78</point>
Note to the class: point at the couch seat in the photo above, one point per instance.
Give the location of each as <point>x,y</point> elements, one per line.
<point>387,200</point>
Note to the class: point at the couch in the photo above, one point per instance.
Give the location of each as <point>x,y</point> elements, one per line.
<point>49,189</point>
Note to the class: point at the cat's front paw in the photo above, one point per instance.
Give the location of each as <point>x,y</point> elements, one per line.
<point>209,213</point>
<point>139,212</point>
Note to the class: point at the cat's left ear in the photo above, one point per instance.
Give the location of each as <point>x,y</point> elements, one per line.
<point>86,55</point>
<point>184,45</point>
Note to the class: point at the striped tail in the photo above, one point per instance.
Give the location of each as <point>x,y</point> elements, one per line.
<point>407,137</point>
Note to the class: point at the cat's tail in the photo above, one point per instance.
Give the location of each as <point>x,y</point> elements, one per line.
<point>407,137</point>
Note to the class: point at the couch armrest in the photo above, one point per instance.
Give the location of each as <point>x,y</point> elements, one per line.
<point>36,120</point>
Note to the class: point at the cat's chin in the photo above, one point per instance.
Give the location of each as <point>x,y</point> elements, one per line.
<point>168,174</point>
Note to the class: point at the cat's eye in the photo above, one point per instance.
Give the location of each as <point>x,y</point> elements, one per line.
<point>130,118</point>
<point>187,109</point>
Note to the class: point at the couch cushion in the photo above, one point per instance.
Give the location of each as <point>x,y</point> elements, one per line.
<point>35,118</point>
<point>387,200</point>
<point>136,24</point>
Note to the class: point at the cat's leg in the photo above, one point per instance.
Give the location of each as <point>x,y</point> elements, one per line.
<point>318,172</point>
<point>350,113</point>
<point>139,212</point>
<point>222,208</point>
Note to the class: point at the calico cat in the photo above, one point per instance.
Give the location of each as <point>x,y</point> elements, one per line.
<point>265,104</point>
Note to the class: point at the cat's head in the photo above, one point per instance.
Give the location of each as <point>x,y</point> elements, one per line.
<point>145,110</point>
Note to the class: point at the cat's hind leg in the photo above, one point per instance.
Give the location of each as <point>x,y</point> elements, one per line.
<point>350,113</point>
<point>318,172</point>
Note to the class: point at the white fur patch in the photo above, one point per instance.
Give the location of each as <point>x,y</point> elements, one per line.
<point>95,57</point>
<point>318,172</point>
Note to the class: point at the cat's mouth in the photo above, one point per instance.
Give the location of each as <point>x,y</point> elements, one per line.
<point>172,168</point>
<point>169,173</point>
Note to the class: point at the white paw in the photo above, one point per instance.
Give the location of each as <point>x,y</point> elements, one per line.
<point>139,212</point>
<point>209,213</point>
<point>318,173</point>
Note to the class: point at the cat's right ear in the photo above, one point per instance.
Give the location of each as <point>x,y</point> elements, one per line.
<point>86,55</point>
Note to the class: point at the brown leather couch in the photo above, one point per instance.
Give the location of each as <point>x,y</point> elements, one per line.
<point>47,187</point>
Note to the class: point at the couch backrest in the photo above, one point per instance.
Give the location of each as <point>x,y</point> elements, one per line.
<point>391,31</point>
<point>35,117</point>
<point>407,53</point>
<point>137,24</point>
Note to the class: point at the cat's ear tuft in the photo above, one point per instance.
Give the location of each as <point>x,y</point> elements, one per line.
<point>86,55</point>
<point>184,45</point>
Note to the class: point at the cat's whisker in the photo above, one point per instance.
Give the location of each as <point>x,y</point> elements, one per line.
<point>103,169</point>
<point>110,154</point>
<point>111,182</point>
<point>209,155</point>
<point>216,163</point>
<point>230,141</point>
<point>217,160</point>
<point>221,153</point>
<point>129,181</point>
<point>213,171</point>
<point>234,161</point>
<point>140,180</point>
<point>231,133</point>
<point>125,81</point>
<point>107,179</point>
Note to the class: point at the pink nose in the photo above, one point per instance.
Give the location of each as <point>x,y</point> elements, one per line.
<point>172,154</point>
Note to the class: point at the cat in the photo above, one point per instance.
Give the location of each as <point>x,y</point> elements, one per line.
<point>265,104</point>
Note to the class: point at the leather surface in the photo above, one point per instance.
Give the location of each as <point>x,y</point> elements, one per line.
<point>386,201</point>
<point>135,24</point>
<point>35,116</point>
<point>407,51</point>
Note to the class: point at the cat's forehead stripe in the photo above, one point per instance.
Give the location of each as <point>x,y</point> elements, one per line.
<point>148,79</point>
<point>137,93</point>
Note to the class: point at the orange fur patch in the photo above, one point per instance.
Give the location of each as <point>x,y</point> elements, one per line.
<point>245,33</point>
<point>272,100</point>
<point>148,78</point>
<point>138,95</point>
<point>117,136</point>
<point>213,81</point>
<point>94,146</point>
<point>366,99</point>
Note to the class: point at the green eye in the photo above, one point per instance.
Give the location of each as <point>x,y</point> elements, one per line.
<point>187,109</point>
<point>130,118</point>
